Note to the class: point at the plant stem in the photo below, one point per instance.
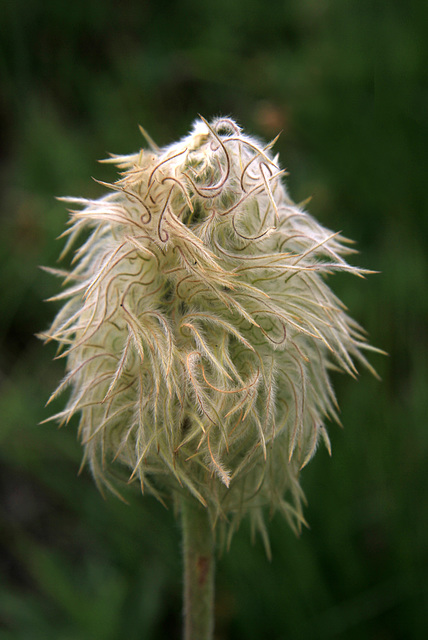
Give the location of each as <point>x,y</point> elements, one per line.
<point>198,554</point>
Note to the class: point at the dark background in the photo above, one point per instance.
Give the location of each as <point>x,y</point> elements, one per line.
<point>347,84</point>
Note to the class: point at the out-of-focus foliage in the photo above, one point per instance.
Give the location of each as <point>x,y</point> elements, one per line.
<point>347,84</point>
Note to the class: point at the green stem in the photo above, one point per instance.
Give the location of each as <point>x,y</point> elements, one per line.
<point>198,552</point>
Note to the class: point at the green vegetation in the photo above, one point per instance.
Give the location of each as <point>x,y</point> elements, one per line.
<point>347,83</point>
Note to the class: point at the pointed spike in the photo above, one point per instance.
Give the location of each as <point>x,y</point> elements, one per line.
<point>149,140</point>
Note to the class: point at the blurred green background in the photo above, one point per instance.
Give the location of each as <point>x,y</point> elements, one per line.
<point>347,84</point>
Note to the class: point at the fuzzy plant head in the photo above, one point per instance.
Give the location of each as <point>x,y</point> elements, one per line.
<point>198,328</point>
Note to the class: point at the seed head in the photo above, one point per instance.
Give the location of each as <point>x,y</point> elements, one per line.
<point>198,327</point>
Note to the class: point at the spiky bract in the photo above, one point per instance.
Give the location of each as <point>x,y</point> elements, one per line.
<point>198,328</point>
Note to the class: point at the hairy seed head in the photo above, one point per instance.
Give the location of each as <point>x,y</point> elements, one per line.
<point>198,327</point>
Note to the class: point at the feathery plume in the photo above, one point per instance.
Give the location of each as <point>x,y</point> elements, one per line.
<point>198,327</point>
